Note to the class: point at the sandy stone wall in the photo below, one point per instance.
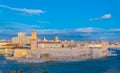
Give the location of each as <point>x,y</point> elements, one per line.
<point>58,52</point>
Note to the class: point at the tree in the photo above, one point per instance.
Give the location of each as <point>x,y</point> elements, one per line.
<point>30,72</point>
<point>45,72</point>
<point>13,71</point>
<point>21,71</point>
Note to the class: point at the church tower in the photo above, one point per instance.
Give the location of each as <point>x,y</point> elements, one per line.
<point>57,39</point>
<point>33,40</point>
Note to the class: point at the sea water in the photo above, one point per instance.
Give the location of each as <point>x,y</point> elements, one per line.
<point>103,65</point>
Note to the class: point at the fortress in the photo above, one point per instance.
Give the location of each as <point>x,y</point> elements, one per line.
<point>32,47</point>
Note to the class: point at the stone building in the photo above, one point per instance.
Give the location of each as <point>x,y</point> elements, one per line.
<point>21,39</point>
<point>4,42</point>
<point>49,44</point>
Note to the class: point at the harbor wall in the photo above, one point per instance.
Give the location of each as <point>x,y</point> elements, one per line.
<point>53,54</point>
<point>57,54</point>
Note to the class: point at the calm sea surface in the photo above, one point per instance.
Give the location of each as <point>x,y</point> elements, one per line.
<point>103,65</point>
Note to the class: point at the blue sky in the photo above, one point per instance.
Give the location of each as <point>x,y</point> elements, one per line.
<point>59,15</point>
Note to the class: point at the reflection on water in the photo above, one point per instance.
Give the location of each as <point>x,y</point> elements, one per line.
<point>104,65</point>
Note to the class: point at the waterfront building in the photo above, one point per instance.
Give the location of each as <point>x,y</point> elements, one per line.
<point>21,39</point>
<point>4,42</point>
<point>7,49</point>
<point>69,44</point>
<point>114,44</point>
<point>95,45</point>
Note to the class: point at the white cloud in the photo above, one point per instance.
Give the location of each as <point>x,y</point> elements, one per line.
<point>25,10</point>
<point>89,29</point>
<point>106,16</point>
<point>14,27</point>
<point>67,31</point>
<point>115,30</point>
<point>55,31</point>
<point>78,30</point>
<point>48,31</point>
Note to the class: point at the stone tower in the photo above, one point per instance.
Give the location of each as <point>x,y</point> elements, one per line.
<point>104,47</point>
<point>33,35</point>
<point>33,40</point>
